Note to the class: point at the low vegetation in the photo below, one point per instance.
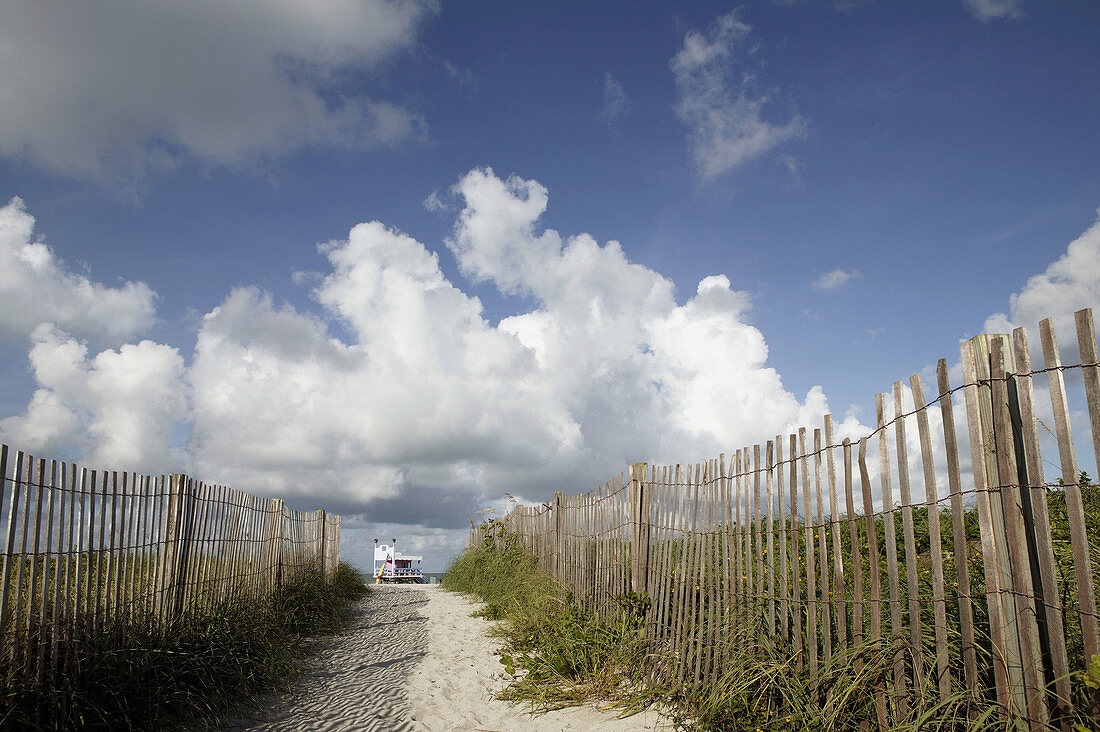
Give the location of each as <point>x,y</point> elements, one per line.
<point>186,674</point>
<point>557,655</point>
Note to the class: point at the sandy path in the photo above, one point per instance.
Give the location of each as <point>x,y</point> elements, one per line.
<point>450,688</point>
<point>354,681</point>
<point>414,659</point>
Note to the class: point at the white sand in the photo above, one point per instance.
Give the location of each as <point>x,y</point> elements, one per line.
<point>451,687</point>
<point>414,659</point>
<point>355,681</point>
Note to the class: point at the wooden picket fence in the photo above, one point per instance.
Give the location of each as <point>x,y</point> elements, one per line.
<point>85,552</point>
<point>793,546</point>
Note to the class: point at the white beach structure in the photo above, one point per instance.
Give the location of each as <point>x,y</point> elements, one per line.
<point>391,566</point>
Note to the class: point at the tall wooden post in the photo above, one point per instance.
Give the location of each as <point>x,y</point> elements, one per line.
<point>640,513</point>
<point>558,514</point>
<point>169,550</point>
<point>275,542</point>
<point>179,541</point>
<point>335,558</point>
<point>1020,530</point>
<point>989,358</point>
<point>322,519</point>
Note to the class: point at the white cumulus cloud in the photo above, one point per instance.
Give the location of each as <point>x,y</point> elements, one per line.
<point>422,409</point>
<point>1070,283</point>
<point>427,392</point>
<point>118,89</point>
<point>719,99</point>
<point>115,410</point>
<point>36,287</point>
<point>610,338</point>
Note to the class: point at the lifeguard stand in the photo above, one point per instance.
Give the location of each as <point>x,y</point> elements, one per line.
<point>390,566</point>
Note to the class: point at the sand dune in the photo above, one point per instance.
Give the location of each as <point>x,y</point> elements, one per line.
<point>414,659</point>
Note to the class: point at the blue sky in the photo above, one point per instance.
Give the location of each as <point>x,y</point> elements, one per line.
<point>874,181</point>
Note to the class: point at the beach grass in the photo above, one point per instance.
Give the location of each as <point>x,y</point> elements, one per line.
<point>188,673</point>
<point>557,655</point>
<point>758,688</point>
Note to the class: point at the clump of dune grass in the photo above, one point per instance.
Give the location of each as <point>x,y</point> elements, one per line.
<point>188,673</point>
<point>505,578</point>
<point>759,688</point>
<point>557,654</point>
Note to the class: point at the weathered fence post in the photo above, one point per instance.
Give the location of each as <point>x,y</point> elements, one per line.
<point>167,560</point>
<point>185,542</point>
<point>640,512</point>
<point>321,541</point>
<point>1019,523</point>
<point>274,542</point>
<point>990,360</point>
<point>979,417</point>
<point>334,559</point>
<point>558,514</point>
<point>177,540</point>
<point>9,544</point>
